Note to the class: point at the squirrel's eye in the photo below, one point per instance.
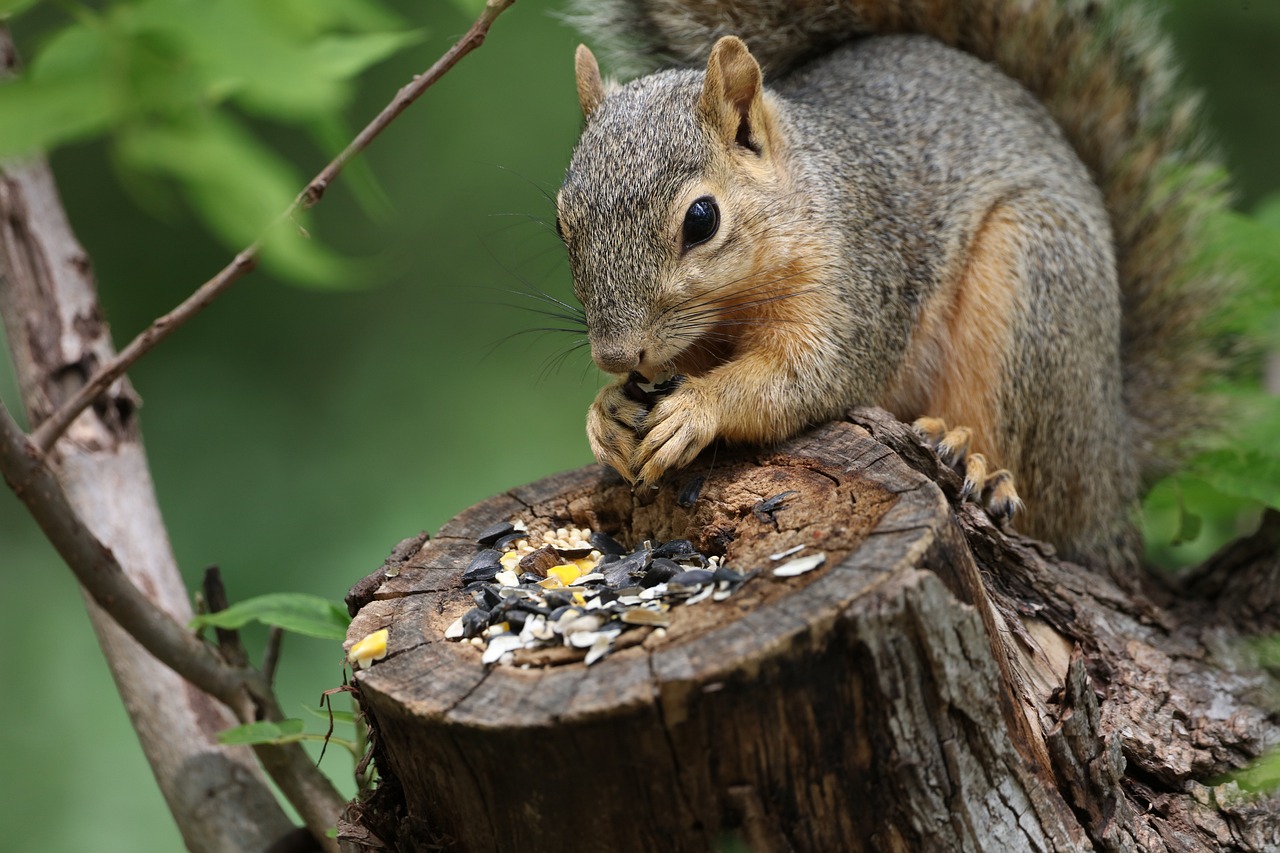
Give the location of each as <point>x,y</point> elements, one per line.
<point>701,222</point>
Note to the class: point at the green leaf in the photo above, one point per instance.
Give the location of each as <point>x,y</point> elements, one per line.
<point>67,95</point>
<point>1269,650</point>
<point>1188,528</point>
<point>1263,775</point>
<point>343,57</point>
<point>1167,530</point>
<point>313,17</point>
<point>1249,474</point>
<point>38,116</point>
<point>293,611</point>
<point>1250,247</point>
<point>338,716</point>
<point>238,186</point>
<point>285,731</point>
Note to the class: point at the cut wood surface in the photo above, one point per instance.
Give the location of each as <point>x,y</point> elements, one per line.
<point>936,685</point>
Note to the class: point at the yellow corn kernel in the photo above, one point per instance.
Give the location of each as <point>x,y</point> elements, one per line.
<point>566,573</point>
<point>371,648</point>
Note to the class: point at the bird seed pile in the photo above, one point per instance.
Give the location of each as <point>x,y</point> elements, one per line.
<point>580,588</point>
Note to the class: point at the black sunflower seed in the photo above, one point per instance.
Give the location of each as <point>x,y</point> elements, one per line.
<point>660,571</point>
<point>502,543</point>
<point>474,621</point>
<point>765,509</point>
<point>693,577</point>
<point>675,549</point>
<point>483,567</point>
<point>622,572</point>
<point>606,544</point>
<point>727,575</point>
<point>491,534</point>
<point>689,494</point>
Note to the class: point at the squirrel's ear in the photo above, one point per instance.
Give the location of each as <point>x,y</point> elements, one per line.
<point>590,85</point>
<point>732,95</point>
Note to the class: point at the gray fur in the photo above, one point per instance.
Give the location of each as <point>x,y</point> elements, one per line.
<point>902,146</point>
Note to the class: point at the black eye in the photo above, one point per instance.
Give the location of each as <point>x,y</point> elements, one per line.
<point>701,222</point>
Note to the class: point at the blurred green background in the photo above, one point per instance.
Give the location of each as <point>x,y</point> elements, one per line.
<point>296,435</point>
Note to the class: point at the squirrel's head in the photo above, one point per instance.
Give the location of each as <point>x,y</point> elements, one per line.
<point>666,211</point>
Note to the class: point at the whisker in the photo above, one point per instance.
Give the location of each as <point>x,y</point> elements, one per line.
<point>537,186</point>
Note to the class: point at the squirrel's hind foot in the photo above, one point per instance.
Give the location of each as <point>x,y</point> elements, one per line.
<point>994,491</point>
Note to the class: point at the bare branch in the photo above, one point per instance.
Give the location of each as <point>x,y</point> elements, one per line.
<point>246,260</point>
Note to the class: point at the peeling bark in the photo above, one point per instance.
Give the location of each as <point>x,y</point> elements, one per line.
<point>938,685</point>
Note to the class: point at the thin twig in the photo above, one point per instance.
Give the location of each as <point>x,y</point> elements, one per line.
<point>57,423</point>
<point>229,643</point>
<point>271,656</point>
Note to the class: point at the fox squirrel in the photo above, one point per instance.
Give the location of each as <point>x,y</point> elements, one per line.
<point>980,220</point>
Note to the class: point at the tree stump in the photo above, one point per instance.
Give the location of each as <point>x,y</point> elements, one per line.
<point>936,685</point>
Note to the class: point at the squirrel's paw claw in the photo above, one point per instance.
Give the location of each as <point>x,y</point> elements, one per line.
<point>679,427</point>
<point>613,424</point>
<point>975,476</point>
<point>951,445</point>
<point>994,491</point>
<point>1000,498</point>
<point>930,429</point>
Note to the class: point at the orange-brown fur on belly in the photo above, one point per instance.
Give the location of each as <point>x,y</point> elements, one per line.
<point>954,358</point>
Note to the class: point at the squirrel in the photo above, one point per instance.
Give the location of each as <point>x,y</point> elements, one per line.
<point>978,215</point>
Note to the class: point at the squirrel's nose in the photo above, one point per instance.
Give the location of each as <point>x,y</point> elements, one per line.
<point>617,359</point>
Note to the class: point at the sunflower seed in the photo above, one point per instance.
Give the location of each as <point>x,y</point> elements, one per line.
<point>499,646</point>
<point>491,534</point>
<point>602,646</point>
<point>799,566</point>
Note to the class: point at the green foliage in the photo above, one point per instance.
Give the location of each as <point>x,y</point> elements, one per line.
<point>348,717</point>
<point>181,89</point>
<point>285,731</point>
<point>1264,775</point>
<point>1220,492</point>
<point>298,612</point>
<point>291,730</point>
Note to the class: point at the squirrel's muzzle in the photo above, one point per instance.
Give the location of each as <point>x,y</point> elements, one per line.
<point>616,359</point>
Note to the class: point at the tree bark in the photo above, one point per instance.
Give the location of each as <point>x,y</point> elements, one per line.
<point>937,685</point>
<point>57,336</point>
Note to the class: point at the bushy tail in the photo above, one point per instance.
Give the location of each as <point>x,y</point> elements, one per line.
<point>1107,77</point>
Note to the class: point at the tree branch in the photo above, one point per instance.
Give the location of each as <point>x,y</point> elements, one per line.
<point>96,568</point>
<point>246,691</point>
<point>244,262</point>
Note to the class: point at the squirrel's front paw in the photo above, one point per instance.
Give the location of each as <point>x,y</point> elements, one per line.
<point>614,422</point>
<point>677,429</point>
<point>994,491</point>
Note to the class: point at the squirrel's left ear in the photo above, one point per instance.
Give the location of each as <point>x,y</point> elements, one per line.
<point>732,98</point>
<point>590,84</point>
